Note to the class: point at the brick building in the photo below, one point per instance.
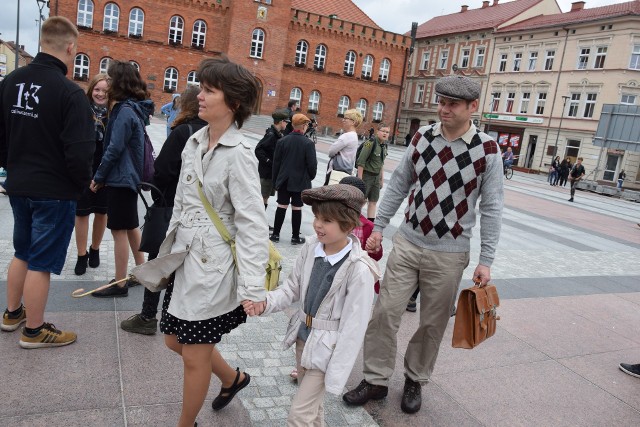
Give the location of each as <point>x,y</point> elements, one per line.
<point>328,54</point>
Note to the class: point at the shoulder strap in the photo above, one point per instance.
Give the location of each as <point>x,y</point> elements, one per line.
<point>222,230</point>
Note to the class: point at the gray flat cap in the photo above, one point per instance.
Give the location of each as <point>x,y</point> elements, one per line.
<point>458,87</point>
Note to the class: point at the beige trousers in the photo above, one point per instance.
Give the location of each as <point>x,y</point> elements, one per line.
<point>307,407</point>
<point>438,276</point>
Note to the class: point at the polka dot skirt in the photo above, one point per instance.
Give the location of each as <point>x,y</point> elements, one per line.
<point>209,331</point>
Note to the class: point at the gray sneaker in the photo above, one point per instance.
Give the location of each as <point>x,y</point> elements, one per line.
<point>138,325</point>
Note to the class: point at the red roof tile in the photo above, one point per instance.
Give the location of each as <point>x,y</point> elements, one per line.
<point>578,16</point>
<point>345,9</point>
<point>474,19</point>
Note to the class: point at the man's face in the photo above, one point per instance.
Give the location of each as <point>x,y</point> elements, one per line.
<point>509,149</point>
<point>455,113</point>
<point>383,134</point>
<point>281,125</point>
<point>578,162</point>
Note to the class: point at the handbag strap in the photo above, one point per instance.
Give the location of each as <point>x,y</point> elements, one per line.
<point>213,215</point>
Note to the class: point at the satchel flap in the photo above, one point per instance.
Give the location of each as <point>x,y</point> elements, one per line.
<point>486,298</point>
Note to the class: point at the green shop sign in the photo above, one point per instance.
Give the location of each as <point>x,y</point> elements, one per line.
<point>521,119</point>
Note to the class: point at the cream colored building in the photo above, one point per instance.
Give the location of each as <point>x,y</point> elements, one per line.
<point>8,58</point>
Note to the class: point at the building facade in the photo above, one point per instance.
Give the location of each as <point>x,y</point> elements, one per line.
<point>329,55</point>
<point>8,57</point>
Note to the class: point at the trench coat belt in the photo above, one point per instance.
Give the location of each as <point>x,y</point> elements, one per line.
<point>195,219</point>
<point>311,322</point>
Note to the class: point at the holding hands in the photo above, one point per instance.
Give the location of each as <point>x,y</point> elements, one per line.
<point>374,241</point>
<point>254,308</point>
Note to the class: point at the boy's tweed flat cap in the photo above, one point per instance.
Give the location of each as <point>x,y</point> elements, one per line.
<point>458,87</point>
<point>281,116</point>
<point>299,119</point>
<point>346,194</point>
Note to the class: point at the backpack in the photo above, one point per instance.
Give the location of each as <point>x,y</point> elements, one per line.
<point>359,150</point>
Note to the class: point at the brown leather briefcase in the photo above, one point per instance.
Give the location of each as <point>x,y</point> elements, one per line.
<point>476,316</point>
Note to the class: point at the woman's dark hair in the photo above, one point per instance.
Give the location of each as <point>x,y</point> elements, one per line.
<point>347,218</point>
<point>189,107</point>
<point>126,82</point>
<point>239,86</point>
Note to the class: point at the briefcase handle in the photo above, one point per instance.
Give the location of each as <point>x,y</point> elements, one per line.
<point>152,188</point>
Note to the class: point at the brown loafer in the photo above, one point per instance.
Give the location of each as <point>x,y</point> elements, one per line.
<point>365,392</point>
<point>221,401</point>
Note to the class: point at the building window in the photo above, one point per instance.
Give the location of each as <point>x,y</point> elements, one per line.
<point>320,58</point>
<point>590,105</point>
<point>111,18</point>
<point>480,57</point>
<point>295,94</point>
<point>199,34</point>
<point>104,65</point>
<point>192,79</point>
<point>634,64</point>
<point>574,104</point>
<point>257,43</point>
<point>350,63</point>
<point>502,64</point>
<point>314,102</point>
<point>135,65</point>
<point>81,67</point>
<point>170,79</point>
<point>419,94</point>
<point>385,66</point>
<point>301,53</point>
<point>362,107</point>
<point>542,99</point>
<point>424,65</point>
<point>444,58</point>
<point>628,99</point>
<point>367,67</point>
<point>378,109</point>
<point>524,102</point>
<point>136,22</point>
<point>583,58</point>
<point>495,101</point>
<point>601,54</point>
<point>511,97</point>
<point>85,14</point>
<point>464,58</point>
<point>548,61</point>
<point>533,57</point>
<point>573,148</point>
<point>176,27</point>
<point>343,105</point>
<point>517,60</point>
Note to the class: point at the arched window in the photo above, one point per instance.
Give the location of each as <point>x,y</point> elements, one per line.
<point>301,53</point>
<point>257,43</point>
<point>176,27</point>
<point>111,17</point>
<point>104,64</point>
<point>192,79</point>
<point>362,107</point>
<point>350,63</point>
<point>199,34</point>
<point>170,79</point>
<point>81,67</point>
<point>320,58</point>
<point>343,105</point>
<point>135,65</point>
<point>385,66</point>
<point>85,13</point>
<point>367,67</point>
<point>296,93</point>
<point>378,110</point>
<point>136,22</point>
<point>314,102</point>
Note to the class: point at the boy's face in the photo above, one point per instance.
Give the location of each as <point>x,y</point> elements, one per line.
<point>329,232</point>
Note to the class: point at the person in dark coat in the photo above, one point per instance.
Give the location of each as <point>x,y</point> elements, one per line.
<point>292,107</point>
<point>294,167</point>
<point>265,150</point>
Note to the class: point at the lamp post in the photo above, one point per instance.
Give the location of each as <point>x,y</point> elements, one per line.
<point>41,5</point>
<point>555,146</point>
<point>17,39</point>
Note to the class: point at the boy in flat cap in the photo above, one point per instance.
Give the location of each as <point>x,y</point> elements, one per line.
<point>333,280</point>
<point>446,169</point>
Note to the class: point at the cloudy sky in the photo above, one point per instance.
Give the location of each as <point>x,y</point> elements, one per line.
<point>393,16</point>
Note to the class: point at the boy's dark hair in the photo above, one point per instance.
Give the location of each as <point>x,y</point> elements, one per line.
<point>347,218</point>
<point>126,82</point>
<point>239,86</point>
<point>291,103</point>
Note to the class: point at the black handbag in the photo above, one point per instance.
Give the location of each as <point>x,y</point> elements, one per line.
<point>156,221</point>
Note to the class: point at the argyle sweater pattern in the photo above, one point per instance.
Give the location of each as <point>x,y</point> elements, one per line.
<point>444,181</point>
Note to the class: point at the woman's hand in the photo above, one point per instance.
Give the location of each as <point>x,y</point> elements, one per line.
<point>95,186</point>
<point>254,308</point>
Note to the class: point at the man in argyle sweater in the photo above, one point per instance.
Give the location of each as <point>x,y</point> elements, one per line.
<point>447,167</point>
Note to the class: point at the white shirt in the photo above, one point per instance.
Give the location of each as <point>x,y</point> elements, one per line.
<point>332,259</point>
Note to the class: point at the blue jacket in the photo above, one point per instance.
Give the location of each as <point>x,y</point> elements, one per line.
<point>169,110</point>
<point>123,157</point>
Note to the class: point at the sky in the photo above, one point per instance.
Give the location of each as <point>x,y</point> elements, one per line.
<point>396,18</point>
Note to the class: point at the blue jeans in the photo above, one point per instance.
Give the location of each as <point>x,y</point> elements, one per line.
<point>42,231</point>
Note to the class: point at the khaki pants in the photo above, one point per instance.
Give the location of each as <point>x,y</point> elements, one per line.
<point>307,407</point>
<point>437,274</point>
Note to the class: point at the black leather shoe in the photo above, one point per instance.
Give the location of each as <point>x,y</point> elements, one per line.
<point>112,292</point>
<point>221,401</point>
<point>365,392</point>
<point>275,238</point>
<point>411,397</point>
<point>81,265</point>
<point>297,240</point>
<point>94,257</point>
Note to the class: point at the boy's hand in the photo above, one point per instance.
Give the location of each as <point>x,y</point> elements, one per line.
<point>254,308</point>
<point>374,241</point>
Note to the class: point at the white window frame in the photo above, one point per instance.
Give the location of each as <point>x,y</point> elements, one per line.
<point>361,106</point>
<point>302,49</point>
<point>502,63</point>
<point>541,102</point>
<point>320,58</point>
<point>517,61</point>
<point>549,57</point>
<point>525,98</point>
<point>314,101</point>
<point>137,22</point>
<point>574,104</point>
<point>480,53</point>
<point>495,101</point>
<point>600,57</point>
<point>104,64</point>
<point>192,78</point>
<point>111,17</point>
<point>378,111</point>
<point>583,58</point>
<point>385,67</point>
<point>176,29</point>
<point>628,99</point>
<point>350,63</point>
<point>426,57</point>
<point>295,94</point>
<point>343,104</point>
<point>85,14</point>
<point>367,67</point>
<point>511,100</point>
<point>199,34</point>
<point>81,70</point>
<point>443,60</point>
<point>257,43</point>
<point>465,57</point>
<point>419,96</point>
<point>590,105</point>
<point>170,81</point>
<point>634,61</point>
<point>533,58</point>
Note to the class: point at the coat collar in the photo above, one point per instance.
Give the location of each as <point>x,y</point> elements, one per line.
<point>230,138</point>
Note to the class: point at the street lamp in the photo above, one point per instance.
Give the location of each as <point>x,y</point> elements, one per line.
<point>41,5</point>
<point>555,146</point>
